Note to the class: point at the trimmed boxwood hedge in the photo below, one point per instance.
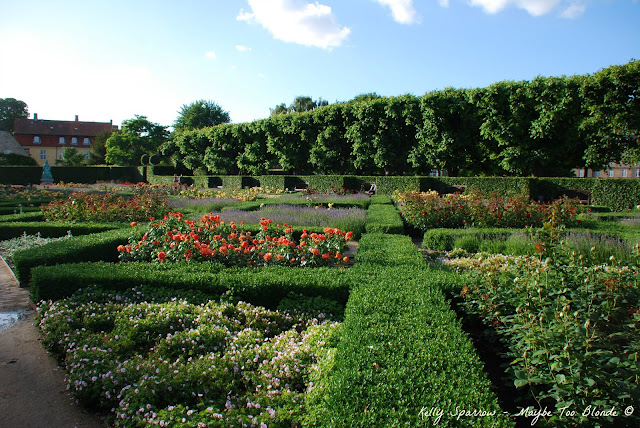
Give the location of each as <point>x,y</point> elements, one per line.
<point>259,286</point>
<point>444,239</point>
<point>9,230</point>
<point>402,353</point>
<point>25,216</point>
<point>387,250</point>
<point>384,219</point>
<point>93,247</point>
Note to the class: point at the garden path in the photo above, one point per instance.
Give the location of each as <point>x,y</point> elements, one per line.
<point>32,387</point>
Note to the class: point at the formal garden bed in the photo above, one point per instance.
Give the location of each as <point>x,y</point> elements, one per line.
<point>232,316</point>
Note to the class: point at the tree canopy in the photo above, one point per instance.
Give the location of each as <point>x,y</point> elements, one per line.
<point>200,114</point>
<point>300,104</point>
<point>138,136</point>
<point>10,110</point>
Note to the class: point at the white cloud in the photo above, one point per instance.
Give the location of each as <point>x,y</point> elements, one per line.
<point>574,10</point>
<point>443,3</point>
<point>242,48</point>
<point>210,54</point>
<point>261,75</point>
<point>534,7</point>
<point>403,11</point>
<point>296,21</point>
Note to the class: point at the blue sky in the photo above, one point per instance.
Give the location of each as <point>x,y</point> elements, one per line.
<point>112,60</point>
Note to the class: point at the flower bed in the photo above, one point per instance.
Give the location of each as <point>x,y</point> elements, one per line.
<point>153,360</point>
<point>571,326</point>
<point>83,206</point>
<point>177,239</point>
<point>429,210</point>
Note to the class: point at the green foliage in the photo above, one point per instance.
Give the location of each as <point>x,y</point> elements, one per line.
<point>261,286</point>
<point>299,105</point>
<point>92,247</point>
<point>17,160</point>
<point>200,114</point>
<point>16,228</point>
<point>384,219</point>
<point>99,148</point>
<point>71,157</point>
<point>571,325</point>
<point>401,353</point>
<point>10,110</point>
<point>387,250</point>
<point>137,137</point>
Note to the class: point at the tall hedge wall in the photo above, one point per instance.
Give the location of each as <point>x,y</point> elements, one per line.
<point>70,174</point>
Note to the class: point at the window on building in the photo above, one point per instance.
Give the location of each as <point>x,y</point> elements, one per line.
<point>637,173</point>
<point>36,139</point>
<point>624,172</point>
<point>596,174</point>
<point>86,154</point>
<point>61,140</point>
<point>8,151</point>
<point>60,154</point>
<point>74,141</point>
<point>43,154</point>
<point>86,141</point>
<point>581,172</point>
<point>610,173</point>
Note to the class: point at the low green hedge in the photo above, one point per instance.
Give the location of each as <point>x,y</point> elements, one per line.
<point>445,239</point>
<point>384,219</point>
<point>402,355</point>
<point>93,247</point>
<point>28,216</point>
<point>387,250</point>
<point>259,286</point>
<point>10,230</point>
<point>381,200</point>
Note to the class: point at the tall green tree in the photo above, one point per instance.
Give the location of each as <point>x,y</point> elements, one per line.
<point>10,110</point>
<point>299,105</point>
<point>99,149</point>
<point>71,157</point>
<point>449,135</point>
<point>200,114</point>
<point>138,136</point>
<point>611,124</point>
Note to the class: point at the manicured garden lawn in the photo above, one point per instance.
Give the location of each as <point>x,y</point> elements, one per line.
<point>248,316</point>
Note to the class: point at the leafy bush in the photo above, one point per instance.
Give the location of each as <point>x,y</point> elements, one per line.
<point>174,239</point>
<point>83,206</point>
<point>214,364</point>
<point>571,325</point>
<point>11,230</point>
<point>387,250</point>
<point>429,210</point>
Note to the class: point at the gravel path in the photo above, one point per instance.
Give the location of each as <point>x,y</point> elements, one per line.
<point>32,387</point>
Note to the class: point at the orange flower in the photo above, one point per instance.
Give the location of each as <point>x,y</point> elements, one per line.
<point>133,223</point>
<point>348,236</point>
<point>326,256</point>
<point>345,259</point>
<point>267,257</point>
<point>121,248</point>
<point>162,256</point>
<point>315,251</point>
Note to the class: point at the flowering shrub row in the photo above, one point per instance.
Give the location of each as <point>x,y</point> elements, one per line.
<point>571,326</point>
<point>210,239</point>
<point>167,362</point>
<point>426,210</point>
<point>83,206</point>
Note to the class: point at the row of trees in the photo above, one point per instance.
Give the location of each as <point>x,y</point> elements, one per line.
<point>543,127</point>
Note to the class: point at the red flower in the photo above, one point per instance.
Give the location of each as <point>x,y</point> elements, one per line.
<point>134,223</point>
<point>162,256</point>
<point>315,251</point>
<point>267,257</point>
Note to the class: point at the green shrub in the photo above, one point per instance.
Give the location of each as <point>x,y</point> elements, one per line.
<point>260,286</point>
<point>387,250</point>
<point>93,247</point>
<point>28,216</point>
<point>381,200</point>
<point>384,219</point>
<point>53,229</point>
<point>401,353</point>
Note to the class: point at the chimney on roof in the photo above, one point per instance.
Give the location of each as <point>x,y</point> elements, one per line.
<point>35,116</point>
<point>76,117</point>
